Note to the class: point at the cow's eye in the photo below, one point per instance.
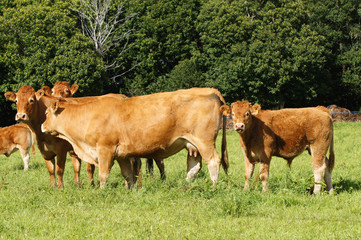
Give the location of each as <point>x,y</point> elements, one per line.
<point>16,101</point>
<point>31,100</point>
<point>247,114</point>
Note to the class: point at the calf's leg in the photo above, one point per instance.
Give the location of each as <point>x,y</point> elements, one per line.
<point>194,164</point>
<point>26,157</point>
<point>249,169</point>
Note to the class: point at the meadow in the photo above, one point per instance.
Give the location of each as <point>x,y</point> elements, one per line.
<point>176,209</point>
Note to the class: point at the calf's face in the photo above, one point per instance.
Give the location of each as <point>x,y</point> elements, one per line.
<point>242,112</point>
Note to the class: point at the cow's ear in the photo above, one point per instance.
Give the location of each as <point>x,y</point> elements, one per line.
<point>74,88</point>
<point>255,108</point>
<point>39,94</point>
<point>46,90</point>
<point>11,96</point>
<point>54,107</point>
<point>226,110</point>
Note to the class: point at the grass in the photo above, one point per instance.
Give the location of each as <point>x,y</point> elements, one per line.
<point>176,209</point>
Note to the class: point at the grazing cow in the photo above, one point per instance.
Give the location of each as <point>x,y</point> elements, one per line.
<point>154,126</point>
<point>284,133</point>
<point>16,137</point>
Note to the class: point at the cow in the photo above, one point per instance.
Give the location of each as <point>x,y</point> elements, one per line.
<point>151,126</point>
<point>17,137</point>
<point>64,90</point>
<point>61,89</point>
<point>284,133</point>
<point>31,107</point>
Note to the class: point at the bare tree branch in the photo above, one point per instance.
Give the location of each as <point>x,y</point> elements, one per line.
<point>104,28</point>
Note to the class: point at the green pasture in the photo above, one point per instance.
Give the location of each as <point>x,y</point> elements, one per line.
<point>176,209</point>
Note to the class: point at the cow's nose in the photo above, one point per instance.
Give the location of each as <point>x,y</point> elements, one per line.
<point>21,117</point>
<point>239,127</point>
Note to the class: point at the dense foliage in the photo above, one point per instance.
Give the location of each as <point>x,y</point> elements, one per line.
<point>277,53</point>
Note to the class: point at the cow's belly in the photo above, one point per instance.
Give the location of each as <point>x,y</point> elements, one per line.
<point>158,151</point>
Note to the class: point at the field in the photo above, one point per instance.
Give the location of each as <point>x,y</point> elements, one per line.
<point>176,209</point>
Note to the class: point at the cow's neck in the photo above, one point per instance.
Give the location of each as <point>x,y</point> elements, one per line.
<point>247,135</point>
<point>35,123</point>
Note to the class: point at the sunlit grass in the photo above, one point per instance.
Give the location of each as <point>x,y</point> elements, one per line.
<point>176,209</point>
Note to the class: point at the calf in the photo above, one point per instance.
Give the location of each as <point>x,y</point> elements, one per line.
<point>284,133</point>
<point>16,137</point>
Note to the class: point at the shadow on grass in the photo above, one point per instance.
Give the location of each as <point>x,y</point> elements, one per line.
<point>347,185</point>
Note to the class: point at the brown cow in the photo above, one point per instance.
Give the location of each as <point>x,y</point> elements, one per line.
<point>63,89</point>
<point>155,126</point>
<point>284,133</point>
<point>31,107</point>
<point>16,137</point>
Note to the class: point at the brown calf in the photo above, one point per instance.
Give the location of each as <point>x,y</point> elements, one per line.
<point>284,133</point>
<point>16,137</point>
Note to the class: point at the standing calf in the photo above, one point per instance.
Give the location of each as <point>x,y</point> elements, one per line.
<point>16,137</point>
<point>284,133</point>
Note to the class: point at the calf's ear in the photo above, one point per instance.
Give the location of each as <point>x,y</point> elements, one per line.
<point>74,88</point>
<point>11,96</point>
<point>46,90</point>
<point>255,108</point>
<point>226,110</point>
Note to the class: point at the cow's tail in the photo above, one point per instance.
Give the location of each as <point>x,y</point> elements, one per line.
<point>33,139</point>
<point>331,157</point>
<point>224,156</point>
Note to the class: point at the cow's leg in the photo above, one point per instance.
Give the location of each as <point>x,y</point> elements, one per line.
<point>249,169</point>
<point>160,165</point>
<point>50,165</point>
<point>60,165</point>
<point>90,168</point>
<point>127,168</point>
<point>194,164</point>
<point>26,157</point>
<point>150,166</point>
<point>328,180</point>
<point>76,165</point>
<point>319,167</point>
<point>106,162</point>
<point>263,175</point>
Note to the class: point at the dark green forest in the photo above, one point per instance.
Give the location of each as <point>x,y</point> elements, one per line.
<point>282,53</point>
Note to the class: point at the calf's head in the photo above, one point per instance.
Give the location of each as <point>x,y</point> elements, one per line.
<point>26,102</point>
<point>242,112</point>
<point>61,89</point>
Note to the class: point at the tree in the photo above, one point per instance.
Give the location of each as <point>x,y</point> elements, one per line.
<point>41,44</point>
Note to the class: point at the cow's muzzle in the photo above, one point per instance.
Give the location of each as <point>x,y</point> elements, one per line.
<point>21,117</point>
<point>239,127</point>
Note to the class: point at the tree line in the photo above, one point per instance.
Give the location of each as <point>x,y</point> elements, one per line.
<point>282,53</point>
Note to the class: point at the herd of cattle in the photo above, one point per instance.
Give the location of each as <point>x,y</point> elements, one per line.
<point>101,129</point>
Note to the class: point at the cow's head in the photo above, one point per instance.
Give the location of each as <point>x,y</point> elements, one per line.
<point>242,112</point>
<point>25,99</point>
<point>61,89</point>
<point>51,113</point>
